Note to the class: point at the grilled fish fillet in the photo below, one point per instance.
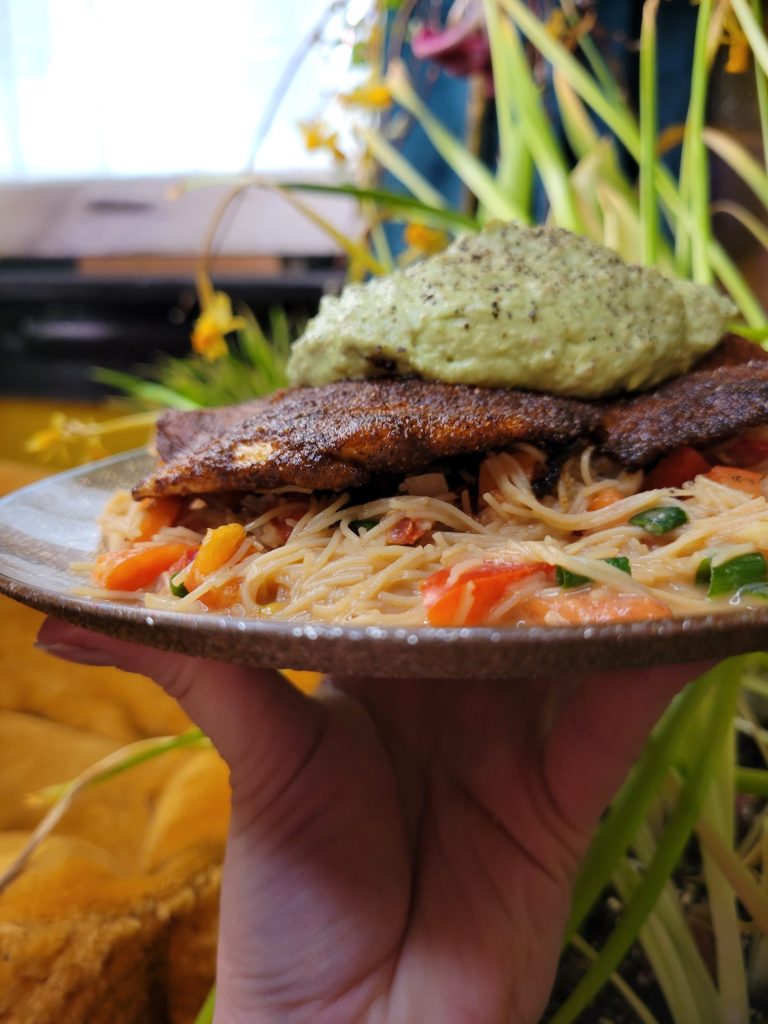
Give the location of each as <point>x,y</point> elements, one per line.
<point>346,434</point>
<point>695,409</point>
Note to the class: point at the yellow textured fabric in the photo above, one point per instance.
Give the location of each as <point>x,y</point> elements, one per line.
<point>113,920</point>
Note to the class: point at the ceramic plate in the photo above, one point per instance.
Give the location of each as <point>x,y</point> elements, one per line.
<point>46,527</point>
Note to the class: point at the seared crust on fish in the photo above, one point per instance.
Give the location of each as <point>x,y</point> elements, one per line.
<point>346,434</point>
<point>179,432</point>
<point>696,409</point>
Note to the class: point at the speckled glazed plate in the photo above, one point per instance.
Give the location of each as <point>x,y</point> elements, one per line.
<point>46,527</point>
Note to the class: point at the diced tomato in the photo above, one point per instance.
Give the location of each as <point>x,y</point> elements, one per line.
<point>604,498</point>
<point>745,480</point>
<point>749,448</point>
<point>218,547</point>
<point>486,484</point>
<point>181,563</point>
<point>586,608</point>
<point>467,598</point>
<point>137,567</point>
<point>407,531</point>
<point>157,513</point>
<point>676,468</point>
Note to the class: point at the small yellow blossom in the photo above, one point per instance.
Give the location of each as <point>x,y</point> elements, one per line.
<point>424,241</point>
<point>214,322</point>
<point>373,95</point>
<point>50,441</point>
<point>732,36</point>
<point>318,135</point>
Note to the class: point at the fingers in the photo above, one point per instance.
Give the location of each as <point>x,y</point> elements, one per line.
<point>254,717</point>
<point>599,733</point>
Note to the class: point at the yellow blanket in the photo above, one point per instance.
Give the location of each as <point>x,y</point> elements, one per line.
<point>114,918</point>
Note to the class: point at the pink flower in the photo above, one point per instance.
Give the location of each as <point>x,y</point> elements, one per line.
<point>461,47</point>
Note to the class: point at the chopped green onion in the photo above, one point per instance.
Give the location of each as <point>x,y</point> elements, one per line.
<point>177,589</point>
<point>730,576</point>
<point>661,519</point>
<point>566,579</point>
<point>362,524</point>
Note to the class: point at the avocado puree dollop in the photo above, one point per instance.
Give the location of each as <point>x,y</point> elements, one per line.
<point>514,306</point>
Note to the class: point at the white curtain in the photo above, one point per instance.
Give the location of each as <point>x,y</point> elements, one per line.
<point>107,88</point>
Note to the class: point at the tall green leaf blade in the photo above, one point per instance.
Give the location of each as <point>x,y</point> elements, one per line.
<point>630,806</point>
<point>468,167</point>
<point>515,166</point>
<point>649,211</point>
<point>722,705</point>
<point>417,209</point>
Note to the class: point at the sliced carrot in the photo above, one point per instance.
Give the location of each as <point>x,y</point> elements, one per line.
<point>676,468</point>
<point>604,498</point>
<point>745,480</point>
<point>158,513</point>
<point>224,596</point>
<point>586,608</point>
<point>466,599</point>
<point>137,567</point>
<point>217,548</point>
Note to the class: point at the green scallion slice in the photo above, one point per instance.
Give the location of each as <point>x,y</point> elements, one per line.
<point>362,524</point>
<point>730,576</point>
<point>566,579</point>
<point>177,589</point>
<point>661,519</point>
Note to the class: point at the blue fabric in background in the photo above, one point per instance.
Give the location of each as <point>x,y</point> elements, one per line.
<point>447,96</point>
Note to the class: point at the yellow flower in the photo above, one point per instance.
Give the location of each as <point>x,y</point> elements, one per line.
<point>373,95</point>
<point>318,136</point>
<point>214,322</point>
<point>732,36</point>
<point>50,441</point>
<point>424,241</point>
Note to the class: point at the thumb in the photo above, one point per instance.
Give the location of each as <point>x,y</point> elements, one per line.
<point>261,725</point>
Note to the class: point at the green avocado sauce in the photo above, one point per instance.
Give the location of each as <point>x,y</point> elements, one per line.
<point>519,307</point>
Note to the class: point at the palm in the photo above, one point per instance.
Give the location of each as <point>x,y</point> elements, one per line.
<point>402,850</point>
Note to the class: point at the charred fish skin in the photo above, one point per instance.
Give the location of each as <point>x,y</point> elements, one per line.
<point>345,434</point>
<point>696,409</point>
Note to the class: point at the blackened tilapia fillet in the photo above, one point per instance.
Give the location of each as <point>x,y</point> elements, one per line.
<point>345,434</point>
<point>696,409</point>
<point>179,432</point>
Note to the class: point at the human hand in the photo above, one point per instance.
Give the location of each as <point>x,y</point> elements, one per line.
<point>400,851</point>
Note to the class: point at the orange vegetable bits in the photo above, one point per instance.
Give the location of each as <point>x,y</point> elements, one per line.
<point>218,547</point>
<point>676,468</point>
<point>157,513</point>
<point>135,568</point>
<point>218,599</point>
<point>745,480</point>
<point>589,608</point>
<point>486,484</point>
<point>456,598</point>
<point>407,531</point>
<point>748,449</point>
<point>604,498</point>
